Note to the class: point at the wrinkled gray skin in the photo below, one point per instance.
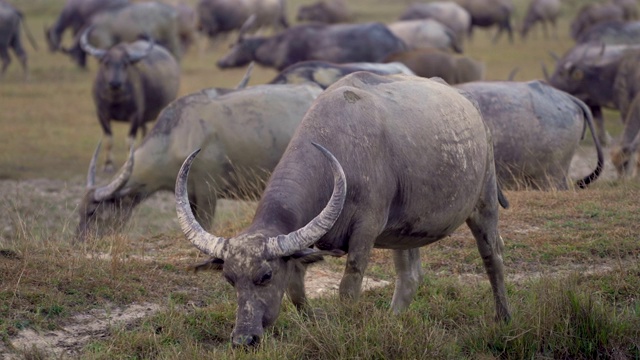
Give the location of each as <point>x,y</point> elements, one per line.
<point>448,13</point>
<point>454,69</point>
<point>593,14</point>
<point>76,15</point>
<point>150,20</point>
<point>536,130</point>
<point>612,33</point>
<point>11,37</point>
<point>589,71</point>
<point>387,132</point>
<point>219,17</point>
<point>543,12</point>
<point>242,134</point>
<point>133,84</point>
<point>426,33</point>
<point>340,43</point>
<point>324,73</point>
<point>629,8</point>
<point>487,13</point>
<point>325,11</point>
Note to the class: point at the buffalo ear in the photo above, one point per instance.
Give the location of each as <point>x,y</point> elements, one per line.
<point>310,256</point>
<point>213,264</point>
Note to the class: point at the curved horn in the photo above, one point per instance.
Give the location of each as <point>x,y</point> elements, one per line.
<point>248,24</point>
<point>200,238</point>
<point>84,44</point>
<point>135,56</point>
<point>554,56</point>
<point>544,71</point>
<point>118,183</point>
<point>247,76</point>
<point>91,175</point>
<point>284,245</point>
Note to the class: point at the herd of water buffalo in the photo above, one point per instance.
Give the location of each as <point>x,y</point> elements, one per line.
<point>347,148</point>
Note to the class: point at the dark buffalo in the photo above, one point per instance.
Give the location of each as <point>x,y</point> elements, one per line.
<point>593,14</point>
<point>76,15</point>
<point>454,69</point>
<point>448,13</point>
<point>329,12</point>
<point>536,130</point>
<point>543,12</point>
<point>487,13</point>
<point>605,76</point>
<point>426,33</point>
<point>134,83</point>
<point>418,163</point>
<point>240,148</point>
<point>218,17</point>
<point>324,73</point>
<point>10,37</point>
<point>341,43</point>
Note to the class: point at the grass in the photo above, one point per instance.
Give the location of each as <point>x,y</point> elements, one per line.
<point>571,257</point>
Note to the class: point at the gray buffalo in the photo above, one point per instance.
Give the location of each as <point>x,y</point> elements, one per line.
<point>325,11</point>
<point>426,33</point>
<point>593,14</point>
<point>325,73</point>
<point>543,12</point>
<point>219,17</point>
<point>339,43</point>
<point>149,19</point>
<point>242,134</point>
<point>450,14</point>
<point>487,13</point>
<point>386,132</point>
<point>75,15</point>
<point>454,69</point>
<point>536,130</point>
<point>10,37</point>
<point>606,76</point>
<point>134,82</point>
<point>612,33</point>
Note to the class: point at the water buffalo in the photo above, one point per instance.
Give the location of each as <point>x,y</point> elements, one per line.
<point>242,133</point>
<point>340,43</point>
<point>329,12</point>
<point>10,37</point>
<point>134,82</point>
<point>386,132</point>
<point>541,11</point>
<point>324,73</point>
<point>536,130</point>
<point>454,69</point>
<point>606,76</point>
<point>427,33</point>
<point>629,8</point>
<point>149,19</point>
<point>218,17</point>
<point>612,32</point>
<point>592,14</point>
<point>76,15</point>
<point>487,13</point>
<point>448,13</point>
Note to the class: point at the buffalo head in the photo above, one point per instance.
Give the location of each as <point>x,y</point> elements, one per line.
<point>257,263</point>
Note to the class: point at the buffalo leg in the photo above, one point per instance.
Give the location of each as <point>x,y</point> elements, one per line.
<point>483,223</point>
<point>603,135</point>
<point>360,245</point>
<point>6,60</point>
<point>295,288</point>
<point>108,163</point>
<point>408,277</point>
<point>16,44</point>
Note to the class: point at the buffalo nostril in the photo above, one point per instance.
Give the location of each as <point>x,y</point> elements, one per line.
<point>246,340</point>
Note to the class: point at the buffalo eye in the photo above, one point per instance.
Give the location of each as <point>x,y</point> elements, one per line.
<point>264,279</point>
<point>577,74</point>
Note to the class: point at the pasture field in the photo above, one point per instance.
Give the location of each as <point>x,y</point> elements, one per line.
<point>572,258</point>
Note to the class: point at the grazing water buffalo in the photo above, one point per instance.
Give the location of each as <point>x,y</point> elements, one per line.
<point>242,135</point>
<point>536,130</point>
<point>340,43</point>
<point>386,132</point>
<point>10,37</point>
<point>134,82</point>
<point>76,15</point>
<point>541,11</point>
<point>218,17</point>
<point>428,33</point>
<point>329,12</point>
<point>324,73</point>
<point>612,33</point>
<point>607,76</point>
<point>448,13</point>
<point>487,13</point>
<point>593,14</point>
<point>454,69</point>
